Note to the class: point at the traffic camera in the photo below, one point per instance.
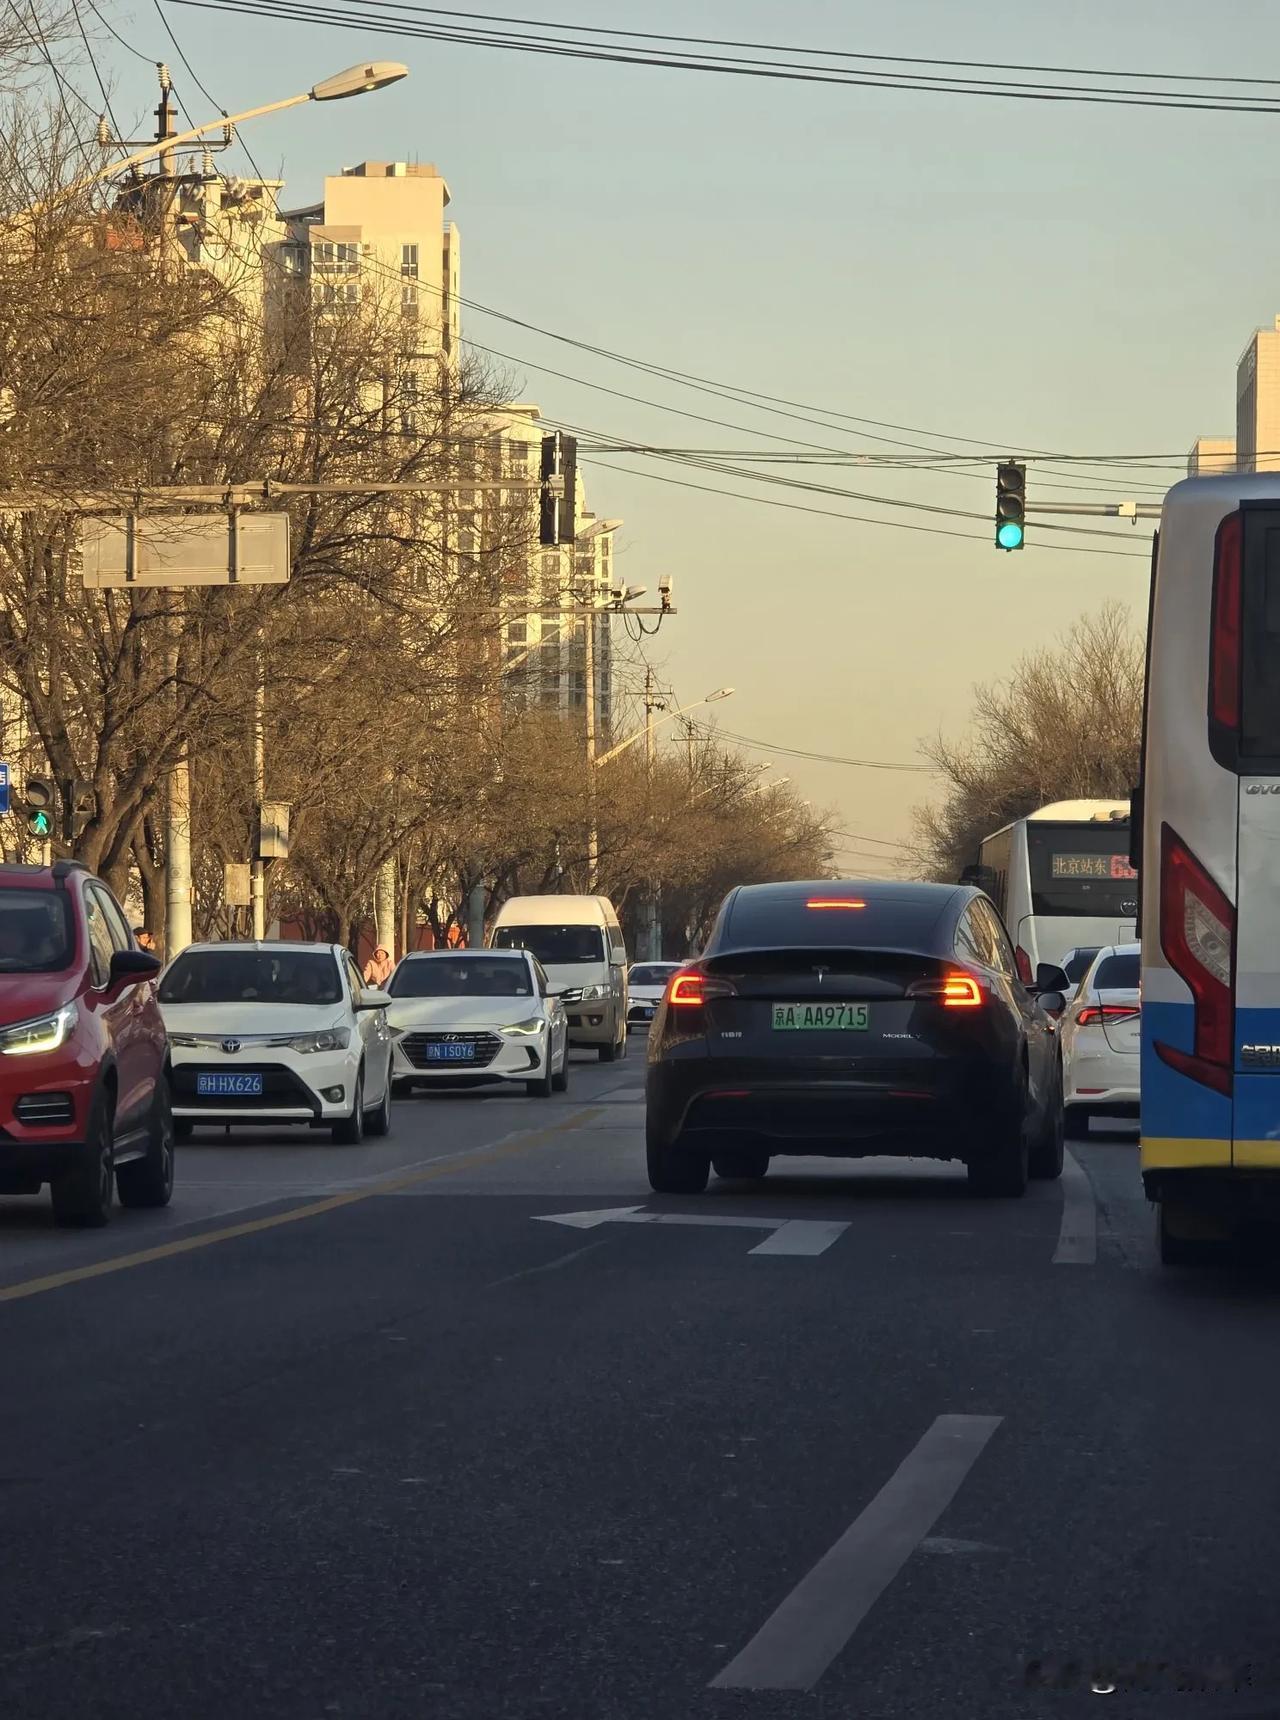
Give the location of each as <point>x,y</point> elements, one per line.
<point>1011,505</point>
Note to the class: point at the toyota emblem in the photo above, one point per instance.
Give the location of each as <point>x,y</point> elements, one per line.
<point>230,1046</point>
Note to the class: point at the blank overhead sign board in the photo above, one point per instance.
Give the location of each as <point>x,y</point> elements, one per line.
<point>185,549</point>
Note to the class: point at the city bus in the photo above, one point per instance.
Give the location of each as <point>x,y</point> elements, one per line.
<point>1210,854</point>
<point>1061,878</point>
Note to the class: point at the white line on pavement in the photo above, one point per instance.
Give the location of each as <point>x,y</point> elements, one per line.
<point>789,1235</point>
<point>795,1646</point>
<point>802,1236</point>
<point>1078,1235</point>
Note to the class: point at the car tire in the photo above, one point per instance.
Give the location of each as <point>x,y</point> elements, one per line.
<point>1048,1149</point>
<point>183,1128</point>
<point>744,1164</point>
<point>624,1043</point>
<point>82,1196</point>
<point>401,1089</point>
<point>608,1053</point>
<point>1076,1119</point>
<point>378,1121</point>
<point>1002,1170</point>
<point>671,1170</point>
<point>349,1131</point>
<point>149,1181</point>
<point>544,1086</point>
<point>560,1081</point>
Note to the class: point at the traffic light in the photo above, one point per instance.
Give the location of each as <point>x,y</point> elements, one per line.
<point>1011,505</point>
<point>79,803</point>
<point>559,481</point>
<point>38,798</point>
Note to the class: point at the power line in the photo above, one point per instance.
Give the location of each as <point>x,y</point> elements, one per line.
<point>815,757</point>
<point>414,22</point>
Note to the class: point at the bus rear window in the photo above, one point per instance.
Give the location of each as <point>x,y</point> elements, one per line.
<point>1081,869</point>
<point>1260,644</point>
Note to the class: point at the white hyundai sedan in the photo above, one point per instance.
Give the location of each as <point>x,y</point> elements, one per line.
<point>1101,1036</point>
<point>266,1033</point>
<point>468,1017</point>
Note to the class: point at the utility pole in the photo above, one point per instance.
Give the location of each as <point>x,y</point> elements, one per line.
<point>259,871</point>
<point>653,901</point>
<point>177,827</point>
<point>593,832</point>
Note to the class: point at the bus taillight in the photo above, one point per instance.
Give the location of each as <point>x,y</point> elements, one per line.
<point>1197,935</point>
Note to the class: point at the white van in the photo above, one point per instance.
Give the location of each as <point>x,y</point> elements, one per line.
<point>579,942</point>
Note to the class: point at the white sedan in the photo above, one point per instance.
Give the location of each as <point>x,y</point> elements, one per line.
<point>468,1017</point>
<point>265,1033</point>
<point>1101,1038</point>
<point>646,983</point>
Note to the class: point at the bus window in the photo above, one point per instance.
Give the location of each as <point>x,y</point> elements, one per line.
<point>1081,869</point>
<point>1260,652</point>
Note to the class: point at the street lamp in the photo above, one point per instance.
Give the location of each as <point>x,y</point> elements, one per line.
<point>646,733</point>
<point>355,81</point>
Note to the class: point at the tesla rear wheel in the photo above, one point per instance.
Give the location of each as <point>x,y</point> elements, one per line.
<point>82,1197</point>
<point>673,1170</point>
<point>1046,1157</point>
<point>378,1121</point>
<point>349,1132</point>
<point>742,1165</point>
<point>1002,1169</point>
<point>149,1181</point>
<point>560,1081</point>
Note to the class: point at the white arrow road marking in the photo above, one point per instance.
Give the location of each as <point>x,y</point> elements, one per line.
<point>795,1646</point>
<point>789,1235</point>
<point>1078,1236</point>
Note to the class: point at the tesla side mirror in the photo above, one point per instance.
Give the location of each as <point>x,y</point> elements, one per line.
<point>134,964</point>
<point>1052,1002</point>
<point>1050,978</point>
<point>374,1000</point>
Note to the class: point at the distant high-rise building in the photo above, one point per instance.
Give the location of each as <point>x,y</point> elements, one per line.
<point>1258,403</point>
<point>1211,455</point>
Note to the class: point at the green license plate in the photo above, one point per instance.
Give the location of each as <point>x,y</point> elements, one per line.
<point>853,1017</point>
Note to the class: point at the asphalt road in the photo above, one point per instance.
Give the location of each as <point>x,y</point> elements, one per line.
<point>355,1432</point>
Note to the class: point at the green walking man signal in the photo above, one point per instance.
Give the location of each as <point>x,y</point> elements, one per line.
<point>1011,505</point>
<point>38,800</point>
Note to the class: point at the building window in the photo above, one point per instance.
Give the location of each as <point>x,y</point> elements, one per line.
<point>577,688</point>
<point>333,294</point>
<point>409,261</point>
<point>334,259</point>
<point>518,632</point>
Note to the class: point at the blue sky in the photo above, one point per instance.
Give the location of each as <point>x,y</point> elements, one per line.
<point>1058,277</point>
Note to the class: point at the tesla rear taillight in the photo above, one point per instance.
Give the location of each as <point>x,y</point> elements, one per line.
<point>834,902</point>
<point>691,988</point>
<point>1024,965</point>
<point>1094,1014</point>
<point>1197,935</point>
<point>951,990</point>
<point>1225,630</point>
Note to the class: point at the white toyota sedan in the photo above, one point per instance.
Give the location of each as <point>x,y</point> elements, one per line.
<point>468,1017</point>
<point>266,1033</point>
<point>1101,1038</point>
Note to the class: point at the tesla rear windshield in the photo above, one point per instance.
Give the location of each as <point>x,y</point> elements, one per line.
<point>35,931</point>
<point>462,976</point>
<point>1117,973</point>
<point>905,921</point>
<point>252,976</point>
<point>554,946</point>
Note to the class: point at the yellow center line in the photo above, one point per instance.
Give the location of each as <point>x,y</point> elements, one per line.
<point>312,1209</point>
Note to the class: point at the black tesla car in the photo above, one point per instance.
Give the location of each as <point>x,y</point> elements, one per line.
<point>850,1019</point>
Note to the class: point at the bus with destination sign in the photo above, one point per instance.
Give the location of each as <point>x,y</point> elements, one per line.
<point>1061,878</point>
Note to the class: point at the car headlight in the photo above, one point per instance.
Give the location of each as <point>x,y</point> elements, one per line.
<point>591,992</point>
<point>534,1024</point>
<point>328,1039</point>
<point>41,1033</point>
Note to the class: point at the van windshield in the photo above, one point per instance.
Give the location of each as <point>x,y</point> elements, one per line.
<point>554,946</point>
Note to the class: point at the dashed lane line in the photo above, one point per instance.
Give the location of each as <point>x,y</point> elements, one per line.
<point>505,1148</point>
<point>1078,1233</point>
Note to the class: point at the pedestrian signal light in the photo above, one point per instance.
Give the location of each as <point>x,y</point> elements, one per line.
<point>38,796</point>
<point>1011,505</point>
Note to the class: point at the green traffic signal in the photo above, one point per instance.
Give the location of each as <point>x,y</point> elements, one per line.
<point>1010,535</point>
<point>1011,504</point>
<point>40,824</point>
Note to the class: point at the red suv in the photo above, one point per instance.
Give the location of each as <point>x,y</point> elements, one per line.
<point>84,1073</point>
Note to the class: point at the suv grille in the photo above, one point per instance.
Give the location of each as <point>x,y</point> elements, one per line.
<point>484,1048</point>
<point>45,1110</point>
